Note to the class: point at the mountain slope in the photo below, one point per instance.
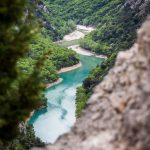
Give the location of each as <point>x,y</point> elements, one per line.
<point>116,31</point>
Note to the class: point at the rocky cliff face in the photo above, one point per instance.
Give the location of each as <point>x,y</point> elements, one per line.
<point>141,7</point>
<point>117,115</point>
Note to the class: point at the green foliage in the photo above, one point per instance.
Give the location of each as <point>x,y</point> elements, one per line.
<point>47,72</point>
<point>53,21</point>
<point>19,93</point>
<point>24,141</point>
<point>98,73</point>
<point>59,17</point>
<point>95,77</point>
<point>116,30</point>
<point>81,100</point>
<point>93,46</point>
<point>57,57</point>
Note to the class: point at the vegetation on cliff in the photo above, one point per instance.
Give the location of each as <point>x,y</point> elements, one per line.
<point>96,76</point>
<point>51,16</point>
<point>24,141</point>
<point>115,31</point>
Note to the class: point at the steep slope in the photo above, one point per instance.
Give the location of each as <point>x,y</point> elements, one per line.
<point>115,32</point>
<point>54,25</point>
<point>59,17</point>
<point>116,29</point>
<point>118,113</point>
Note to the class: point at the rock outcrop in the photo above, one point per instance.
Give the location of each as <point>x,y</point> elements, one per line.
<point>141,7</point>
<point>117,116</point>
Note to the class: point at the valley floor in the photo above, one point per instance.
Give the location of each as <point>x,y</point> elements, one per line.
<point>74,38</point>
<point>78,33</point>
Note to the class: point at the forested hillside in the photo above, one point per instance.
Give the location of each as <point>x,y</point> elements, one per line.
<point>51,17</point>
<point>50,28</point>
<point>55,58</point>
<point>116,31</point>
<point>116,22</point>
<point>113,19</point>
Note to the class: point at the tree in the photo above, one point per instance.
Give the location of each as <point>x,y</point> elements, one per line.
<point>19,93</point>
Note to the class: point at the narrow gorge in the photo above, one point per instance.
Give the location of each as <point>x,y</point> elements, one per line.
<point>74,75</point>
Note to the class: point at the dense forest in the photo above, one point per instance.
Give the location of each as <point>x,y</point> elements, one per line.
<point>116,31</point>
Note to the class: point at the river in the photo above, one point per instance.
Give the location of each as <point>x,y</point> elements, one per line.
<point>59,116</point>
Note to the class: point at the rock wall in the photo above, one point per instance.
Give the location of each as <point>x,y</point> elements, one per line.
<point>117,116</point>
<point>141,7</point>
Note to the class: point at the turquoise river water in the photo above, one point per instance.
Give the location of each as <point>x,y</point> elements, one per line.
<point>59,116</point>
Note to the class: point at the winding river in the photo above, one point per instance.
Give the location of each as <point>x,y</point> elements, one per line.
<point>59,116</point>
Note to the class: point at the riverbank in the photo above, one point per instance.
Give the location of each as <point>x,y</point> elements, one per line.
<point>73,36</point>
<point>85,52</point>
<point>78,33</point>
<point>30,115</point>
<point>54,83</point>
<point>66,69</point>
<point>63,70</point>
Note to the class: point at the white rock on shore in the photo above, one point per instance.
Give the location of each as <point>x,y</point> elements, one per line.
<point>85,52</point>
<point>70,68</point>
<point>54,83</point>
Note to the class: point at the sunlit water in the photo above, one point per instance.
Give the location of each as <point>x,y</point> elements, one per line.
<point>59,116</point>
